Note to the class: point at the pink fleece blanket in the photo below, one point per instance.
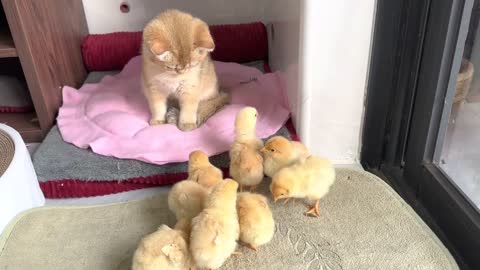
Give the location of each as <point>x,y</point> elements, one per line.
<point>111,117</point>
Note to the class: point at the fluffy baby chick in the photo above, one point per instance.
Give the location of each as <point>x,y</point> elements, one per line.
<point>246,162</point>
<point>202,171</point>
<point>184,225</point>
<point>255,219</point>
<point>311,179</point>
<point>215,230</point>
<point>164,249</point>
<point>186,199</point>
<point>279,152</point>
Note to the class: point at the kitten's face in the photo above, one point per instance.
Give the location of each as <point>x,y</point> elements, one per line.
<point>178,41</point>
<point>180,62</point>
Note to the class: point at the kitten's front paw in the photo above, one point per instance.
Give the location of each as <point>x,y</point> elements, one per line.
<point>187,126</point>
<point>156,122</point>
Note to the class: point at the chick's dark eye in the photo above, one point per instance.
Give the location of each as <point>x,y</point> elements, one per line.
<point>273,150</point>
<point>281,194</point>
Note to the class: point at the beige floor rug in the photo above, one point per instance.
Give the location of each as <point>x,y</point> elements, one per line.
<point>364,224</point>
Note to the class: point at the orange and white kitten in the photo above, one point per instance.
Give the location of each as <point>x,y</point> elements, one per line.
<point>176,65</point>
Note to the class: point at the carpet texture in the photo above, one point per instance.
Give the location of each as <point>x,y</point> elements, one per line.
<point>364,224</point>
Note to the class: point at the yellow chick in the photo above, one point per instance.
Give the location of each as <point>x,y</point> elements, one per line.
<point>256,220</point>
<point>311,179</point>
<point>246,162</point>
<point>164,249</point>
<point>202,171</point>
<point>186,199</point>
<point>215,230</point>
<point>279,152</point>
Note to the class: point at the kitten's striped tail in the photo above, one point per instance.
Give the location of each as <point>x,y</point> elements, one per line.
<point>206,109</point>
<point>209,107</point>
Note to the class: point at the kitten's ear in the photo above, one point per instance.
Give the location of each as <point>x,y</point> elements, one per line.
<point>203,39</point>
<point>160,51</point>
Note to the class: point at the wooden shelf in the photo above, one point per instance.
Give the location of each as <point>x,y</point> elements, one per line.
<point>40,43</point>
<point>7,47</point>
<point>25,123</point>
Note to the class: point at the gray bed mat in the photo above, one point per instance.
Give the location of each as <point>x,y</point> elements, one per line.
<point>58,160</point>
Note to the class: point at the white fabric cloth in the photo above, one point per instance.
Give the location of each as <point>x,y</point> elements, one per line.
<point>19,188</point>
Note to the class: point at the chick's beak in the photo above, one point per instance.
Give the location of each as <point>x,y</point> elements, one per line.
<point>263,150</point>
<point>275,199</point>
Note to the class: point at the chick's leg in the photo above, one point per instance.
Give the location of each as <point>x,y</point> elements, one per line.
<point>248,245</point>
<point>287,200</point>
<point>241,188</point>
<point>314,209</point>
<point>252,188</point>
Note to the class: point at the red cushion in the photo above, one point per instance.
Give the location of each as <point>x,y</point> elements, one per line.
<point>233,43</point>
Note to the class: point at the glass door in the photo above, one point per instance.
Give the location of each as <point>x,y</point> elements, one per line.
<point>458,148</point>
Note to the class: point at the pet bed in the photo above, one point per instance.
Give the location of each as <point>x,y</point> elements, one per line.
<point>364,224</point>
<point>86,174</point>
<point>111,117</point>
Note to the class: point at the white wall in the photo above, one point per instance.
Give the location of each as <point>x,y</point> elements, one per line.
<point>324,49</point>
<point>104,16</point>
<point>284,21</point>
<point>321,47</point>
<point>336,51</point>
